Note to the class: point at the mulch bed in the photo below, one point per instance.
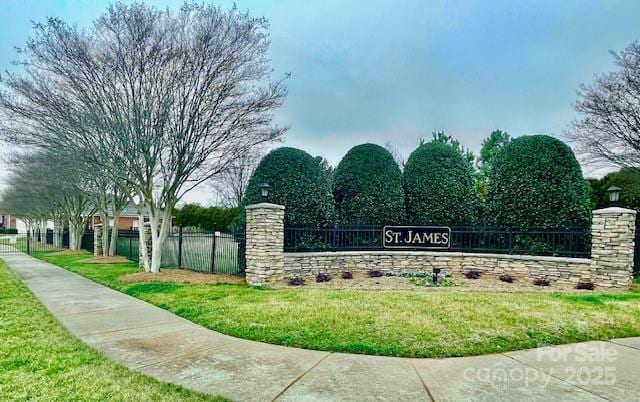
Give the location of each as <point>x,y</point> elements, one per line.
<point>486,283</point>
<point>181,276</point>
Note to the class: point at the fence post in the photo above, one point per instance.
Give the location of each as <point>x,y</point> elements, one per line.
<point>510,231</point>
<point>130,245</point>
<point>28,238</point>
<point>612,246</point>
<point>180,246</point>
<point>213,253</point>
<point>265,243</point>
<point>97,239</point>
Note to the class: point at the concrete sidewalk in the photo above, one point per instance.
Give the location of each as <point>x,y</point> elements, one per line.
<point>160,344</point>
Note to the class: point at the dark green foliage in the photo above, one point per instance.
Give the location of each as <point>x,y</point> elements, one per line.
<point>367,187</point>
<point>208,218</point>
<point>375,273</point>
<point>627,179</point>
<point>298,181</point>
<point>472,274</point>
<point>296,281</point>
<point>536,182</point>
<point>8,231</point>
<point>439,187</point>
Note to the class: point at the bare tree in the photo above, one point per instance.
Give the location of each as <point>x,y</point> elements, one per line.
<point>395,152</point>
<point>161,101</point>
<point>609,131</point>
<point>44,186</point>
<point>231,184</point>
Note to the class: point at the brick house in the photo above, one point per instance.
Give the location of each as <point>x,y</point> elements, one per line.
<point>128,219</point>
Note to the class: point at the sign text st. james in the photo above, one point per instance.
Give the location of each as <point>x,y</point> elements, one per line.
<point>431,237</point>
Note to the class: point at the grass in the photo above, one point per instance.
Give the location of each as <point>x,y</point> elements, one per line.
<point>40,360</point>
<point>400,323</point>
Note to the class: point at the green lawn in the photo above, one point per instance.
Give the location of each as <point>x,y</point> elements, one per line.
<point>401,323</point>
<point>40,360</point>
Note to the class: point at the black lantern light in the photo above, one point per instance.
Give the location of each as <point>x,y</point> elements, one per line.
<point>264,191</point>
<point>436,272</point>
<point>614,195</point>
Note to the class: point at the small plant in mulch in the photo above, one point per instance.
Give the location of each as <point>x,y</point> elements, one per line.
<point>473,274</point>
<point>541,282</point>
<point>323,277</point>
<point>506,278</point>
<point>347,275</point>
<point>444,279</point>
<point>586,285</point>
<point>374,273</point>
<point>296,281</point>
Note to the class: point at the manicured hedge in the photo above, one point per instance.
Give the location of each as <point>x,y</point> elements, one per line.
<point>8,231</point>
<point>367,186</point>
<point>298,181</point>
<point>536,181</point>
<point>208,218</point>
<point>439,187</point>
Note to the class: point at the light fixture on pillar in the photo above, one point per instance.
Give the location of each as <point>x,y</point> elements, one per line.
<point>264,191</point>
<point>614,195</point>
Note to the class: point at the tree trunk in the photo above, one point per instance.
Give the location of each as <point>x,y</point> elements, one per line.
<point>114,236</point>
<point>159,234</point>
<point>146,264</point>
<point>104,219</point>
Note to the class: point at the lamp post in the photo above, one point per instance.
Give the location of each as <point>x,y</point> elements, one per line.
<point>264,191</point>
<point>614,195</point>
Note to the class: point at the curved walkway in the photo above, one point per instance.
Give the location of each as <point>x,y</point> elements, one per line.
<point>160,344</point>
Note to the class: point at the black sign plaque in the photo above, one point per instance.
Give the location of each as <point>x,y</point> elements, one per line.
<point>426,237</point>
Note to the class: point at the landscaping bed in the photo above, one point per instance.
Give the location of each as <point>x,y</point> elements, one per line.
<point>459,283</point>
<point>393,323</point>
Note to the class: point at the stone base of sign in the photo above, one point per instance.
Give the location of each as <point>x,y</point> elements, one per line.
<point>555,269</point>
<point>610,265</point>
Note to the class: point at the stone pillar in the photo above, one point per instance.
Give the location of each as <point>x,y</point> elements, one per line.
<point>612,246</point>
<point>145,247</point>
<point>97,239</point>
<point>265,243</point>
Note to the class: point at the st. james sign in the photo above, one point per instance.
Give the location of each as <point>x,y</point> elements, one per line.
<point>429,237</point>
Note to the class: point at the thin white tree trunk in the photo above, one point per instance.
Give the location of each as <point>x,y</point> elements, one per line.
<point>160,226</point>
<point>146,264</point>
<point>114,235</point>
<point>104,219</point>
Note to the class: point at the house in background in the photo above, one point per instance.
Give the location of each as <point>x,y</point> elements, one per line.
<point>7,221</point>
<point>128,219</point>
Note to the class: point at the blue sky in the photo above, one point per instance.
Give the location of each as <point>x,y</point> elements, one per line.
<point>378,71</point>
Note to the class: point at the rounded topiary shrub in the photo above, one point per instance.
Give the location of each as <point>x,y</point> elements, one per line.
<point>298,181</point>
<point>536,182</point>
<point>439,187</point>
<point>367,187</point>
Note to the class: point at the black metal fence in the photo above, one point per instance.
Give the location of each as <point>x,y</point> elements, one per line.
<point>570,242</point>
<point>196,250</point>
<point>31,242</point>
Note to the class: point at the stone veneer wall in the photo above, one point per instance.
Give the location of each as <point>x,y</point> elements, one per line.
<point>612,245</point>
<point>557,269</point>
<point>610,265</point>
<point>97,240</point>
<point>265,243</point>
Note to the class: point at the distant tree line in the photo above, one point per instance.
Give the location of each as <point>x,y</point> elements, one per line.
<point>207,218</point>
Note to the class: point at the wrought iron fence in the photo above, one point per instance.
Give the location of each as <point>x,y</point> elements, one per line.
<point>196,250</point>
<point>569,242</point>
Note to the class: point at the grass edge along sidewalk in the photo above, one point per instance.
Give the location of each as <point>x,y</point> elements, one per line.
<point>397,323</point>
<point>40,360</point>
